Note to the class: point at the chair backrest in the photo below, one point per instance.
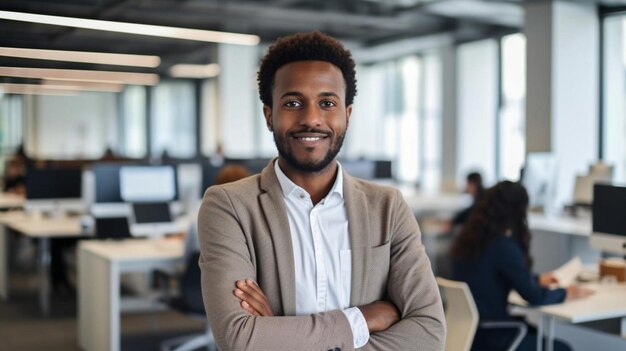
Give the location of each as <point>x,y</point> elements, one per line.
<point>461,314</point>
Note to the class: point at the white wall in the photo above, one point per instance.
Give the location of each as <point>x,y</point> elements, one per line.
<point>477,92</point>
<point>239,113</point>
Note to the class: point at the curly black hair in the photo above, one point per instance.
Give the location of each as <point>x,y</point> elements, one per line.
<point>503,207</point>
<point>312,46</point>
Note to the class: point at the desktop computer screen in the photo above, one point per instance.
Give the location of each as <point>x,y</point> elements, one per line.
<point>364,169</point>
<point>54,189</point>
<point>539,177</point>
<point>112,228</point>
<point>53,184</point>
<point>609,218</point>
<point>147,183</point>
<point>151,212</point>
<point>209,175</point>
<point>107,182</point>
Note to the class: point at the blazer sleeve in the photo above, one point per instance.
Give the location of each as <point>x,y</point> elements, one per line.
<point>412,289</point>
<point>225,258</point>
<point>512,267</point>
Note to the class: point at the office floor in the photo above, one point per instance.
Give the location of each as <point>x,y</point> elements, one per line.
<point>23,328</point>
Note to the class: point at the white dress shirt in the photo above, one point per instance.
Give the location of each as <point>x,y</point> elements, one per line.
<point>321,253</point>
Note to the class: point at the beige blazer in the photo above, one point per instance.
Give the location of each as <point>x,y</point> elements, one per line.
<point>244,233</point>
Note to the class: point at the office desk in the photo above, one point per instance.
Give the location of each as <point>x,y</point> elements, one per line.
<point>423,204</point>
<point>8,200</point>
<point>558,238</point>
<point>608,302</point>
<point>566,225</point>
<point>100,264</point>
<point>43,229</point>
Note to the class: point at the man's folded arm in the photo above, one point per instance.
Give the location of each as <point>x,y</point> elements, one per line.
<point>226,258</point>
<point>411,287</point>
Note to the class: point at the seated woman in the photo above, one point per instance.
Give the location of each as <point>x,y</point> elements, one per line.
<point>491,254</point>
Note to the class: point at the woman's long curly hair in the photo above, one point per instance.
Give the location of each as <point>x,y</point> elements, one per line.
<point>501,211</point>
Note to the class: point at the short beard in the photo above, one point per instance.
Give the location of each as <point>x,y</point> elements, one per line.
<point>310,167</point>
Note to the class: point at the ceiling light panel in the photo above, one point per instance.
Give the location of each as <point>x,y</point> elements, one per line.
<point>135,28</point>
<point>83,56</point>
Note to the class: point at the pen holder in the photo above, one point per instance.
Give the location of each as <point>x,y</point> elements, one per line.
<point>616,268</point>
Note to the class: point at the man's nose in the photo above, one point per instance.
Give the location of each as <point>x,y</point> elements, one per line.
<point>311,116</point>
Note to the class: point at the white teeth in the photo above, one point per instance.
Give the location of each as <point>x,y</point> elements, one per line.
<point>310,138</point>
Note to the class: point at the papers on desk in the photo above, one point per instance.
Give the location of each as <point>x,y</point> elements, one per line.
<point>567,273</point>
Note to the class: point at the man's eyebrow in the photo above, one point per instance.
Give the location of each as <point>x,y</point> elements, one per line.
<point>292,93</point>
<point>327,94</point>
<point>299,94</point>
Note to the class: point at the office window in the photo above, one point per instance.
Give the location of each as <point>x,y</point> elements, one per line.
<point>209,121</point>
<point>133,132</point>
<point>11,122</point>
<point>614,98</point>
<point>173,119</point>
<point>477,94</point>
<point>385,118</point>
<point>431,122</point>
<point>512,140</point>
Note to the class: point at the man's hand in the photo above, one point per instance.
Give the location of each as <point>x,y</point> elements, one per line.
<point>253,300</point>
<point>380,315</point>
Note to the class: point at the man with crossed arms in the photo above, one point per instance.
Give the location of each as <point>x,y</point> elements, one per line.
<point>304,256</point>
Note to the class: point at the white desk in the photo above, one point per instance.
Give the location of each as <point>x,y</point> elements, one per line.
<point>608,302</point>
<point>8,200</point>
<point>100,264</point>
<point>435,203</point>
<point>556,239</point>
<point>42,229</point>
<point>566,225</point>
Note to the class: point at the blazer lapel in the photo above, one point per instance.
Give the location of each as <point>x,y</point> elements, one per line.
<point>273,207</point>
<point>356,208</point>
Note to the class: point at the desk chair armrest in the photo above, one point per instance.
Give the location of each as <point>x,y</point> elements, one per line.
<point>521,327</point>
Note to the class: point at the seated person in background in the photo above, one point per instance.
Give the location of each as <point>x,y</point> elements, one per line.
<point>15,177</point>
<point>491,254</point>
<point>474,187</point>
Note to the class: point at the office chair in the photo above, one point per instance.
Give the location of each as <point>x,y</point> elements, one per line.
<point>190,303</point>
<point>462,317</point>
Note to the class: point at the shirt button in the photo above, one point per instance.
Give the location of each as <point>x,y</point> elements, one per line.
<point>302,196</point>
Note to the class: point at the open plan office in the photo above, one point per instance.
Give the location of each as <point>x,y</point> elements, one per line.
<point>117,116</point>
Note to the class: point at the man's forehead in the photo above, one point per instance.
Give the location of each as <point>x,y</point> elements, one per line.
<point>298,72</point>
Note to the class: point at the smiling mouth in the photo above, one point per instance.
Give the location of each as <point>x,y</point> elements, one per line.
<point>310,136</point>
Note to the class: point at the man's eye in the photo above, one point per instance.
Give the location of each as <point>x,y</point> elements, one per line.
<point>293,104</point>
<point>327,103</point>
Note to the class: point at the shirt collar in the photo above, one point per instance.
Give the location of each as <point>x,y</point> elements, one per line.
<point>289,187</point>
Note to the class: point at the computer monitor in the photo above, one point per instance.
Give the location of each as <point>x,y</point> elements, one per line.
<point>50,189</point>
<point>209,175</point>
<point>151,213</point>
<point>383,169</point>
<point>189,179</point>
<point>539,177</point>
<point>609,219</point>
<point>112,228</point>
<point>151,219</point>
<point>107,182</point>
<point>364,169</point>
<point>147,183</point>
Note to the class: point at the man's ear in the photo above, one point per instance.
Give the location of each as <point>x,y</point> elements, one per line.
<point>267,112</point>
<point>348,114</point>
